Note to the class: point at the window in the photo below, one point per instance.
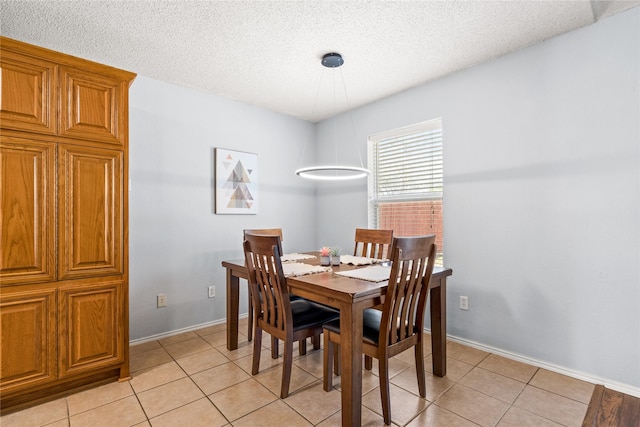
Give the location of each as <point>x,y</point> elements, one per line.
<point>405,185</point>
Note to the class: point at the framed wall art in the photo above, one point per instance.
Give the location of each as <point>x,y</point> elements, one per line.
<point>236,185</point>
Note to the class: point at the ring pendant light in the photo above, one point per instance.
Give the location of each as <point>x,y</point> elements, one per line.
<point>334,172</point>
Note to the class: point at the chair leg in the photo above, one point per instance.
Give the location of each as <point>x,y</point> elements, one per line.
<point>250,318</point>
<point>274,348</point>
<point>368,362</point>
<point>286,369</point>
<point>336,360</point>
<point>383,373</point>
<point>257,349</point>
<point>302,347</point>
<point>327,361</point>
<point>422,387</point>
<point>316,341</point>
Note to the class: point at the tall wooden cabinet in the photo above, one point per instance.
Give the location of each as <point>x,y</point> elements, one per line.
<point>64,321</point>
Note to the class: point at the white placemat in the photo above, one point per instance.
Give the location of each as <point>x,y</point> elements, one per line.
<point>375,273</point>
<point>357,260</point>
<point>295,257</point>
<point>300,269</point>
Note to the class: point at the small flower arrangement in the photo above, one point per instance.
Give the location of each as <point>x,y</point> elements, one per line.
<point>325,258</point>
<point>334,251</point>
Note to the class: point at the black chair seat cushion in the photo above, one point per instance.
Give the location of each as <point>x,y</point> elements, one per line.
<point>308,314</point>
<point>370,326</point>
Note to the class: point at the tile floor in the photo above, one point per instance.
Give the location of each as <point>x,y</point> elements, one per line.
<point>192,380</point>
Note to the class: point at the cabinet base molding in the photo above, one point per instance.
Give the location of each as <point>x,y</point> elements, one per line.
<point>13,402</point>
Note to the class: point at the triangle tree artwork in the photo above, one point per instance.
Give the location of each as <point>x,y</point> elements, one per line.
<point>237,185</point>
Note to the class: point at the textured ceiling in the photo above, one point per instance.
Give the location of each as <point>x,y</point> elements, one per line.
<point>267,53</point>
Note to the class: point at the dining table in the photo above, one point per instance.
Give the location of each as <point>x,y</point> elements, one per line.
<point>351,296</point>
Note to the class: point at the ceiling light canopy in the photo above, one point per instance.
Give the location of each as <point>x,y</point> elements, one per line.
<point>334,172</point>
<point>332,60</point>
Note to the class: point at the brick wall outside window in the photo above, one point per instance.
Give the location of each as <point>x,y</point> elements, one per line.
<point>413,219</point>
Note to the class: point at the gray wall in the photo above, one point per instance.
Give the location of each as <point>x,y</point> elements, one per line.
<point>542,197</point>
<point>176,241</point>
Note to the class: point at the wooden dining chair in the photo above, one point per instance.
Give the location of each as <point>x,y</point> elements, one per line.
<point>274,341</point>
<point>274,312</point>
<point>262,232</point>
<point>400,324</point>
<point>373,243</point>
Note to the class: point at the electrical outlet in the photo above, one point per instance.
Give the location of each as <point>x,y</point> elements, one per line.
<point>464,303</point>
<point>212,291</point>
<point>162,300</point>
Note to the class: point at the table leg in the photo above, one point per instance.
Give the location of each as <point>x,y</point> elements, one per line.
<point>233,304</point>
<point>351,361</point>
<point>438,309</point>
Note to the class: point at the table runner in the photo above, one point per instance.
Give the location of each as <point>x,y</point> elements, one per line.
<point>295,257</point>
<point>300,269</point>
<point>358,260</point>
<point>375,273</point>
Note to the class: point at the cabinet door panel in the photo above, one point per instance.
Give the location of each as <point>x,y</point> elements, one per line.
<point>28,342</point>
<point>27,97</point>
<point>90,212</point>
<point>27,209</point>
<point>90,326</point>
<point>93,106</point>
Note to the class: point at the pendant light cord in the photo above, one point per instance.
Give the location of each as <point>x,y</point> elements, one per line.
<point>315,103</point>
<point>353,126</point>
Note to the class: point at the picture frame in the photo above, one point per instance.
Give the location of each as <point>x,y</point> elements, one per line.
<point>236,182</point>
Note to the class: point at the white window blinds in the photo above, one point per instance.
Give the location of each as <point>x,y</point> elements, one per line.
<point>406,163</point>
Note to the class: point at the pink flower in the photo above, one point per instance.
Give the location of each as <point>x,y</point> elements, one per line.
<point>325,251</point>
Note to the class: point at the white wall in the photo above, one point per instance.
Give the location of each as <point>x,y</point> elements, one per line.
<point>176,241</point>
<point>542,197</point>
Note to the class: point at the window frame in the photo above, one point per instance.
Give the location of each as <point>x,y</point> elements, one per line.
<point>427,191</point>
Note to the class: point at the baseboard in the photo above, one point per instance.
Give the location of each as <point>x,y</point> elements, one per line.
<point>623,388</point>
<point>180,331</point>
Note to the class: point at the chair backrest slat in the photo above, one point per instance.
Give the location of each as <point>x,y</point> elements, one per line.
<point>405,302</point>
